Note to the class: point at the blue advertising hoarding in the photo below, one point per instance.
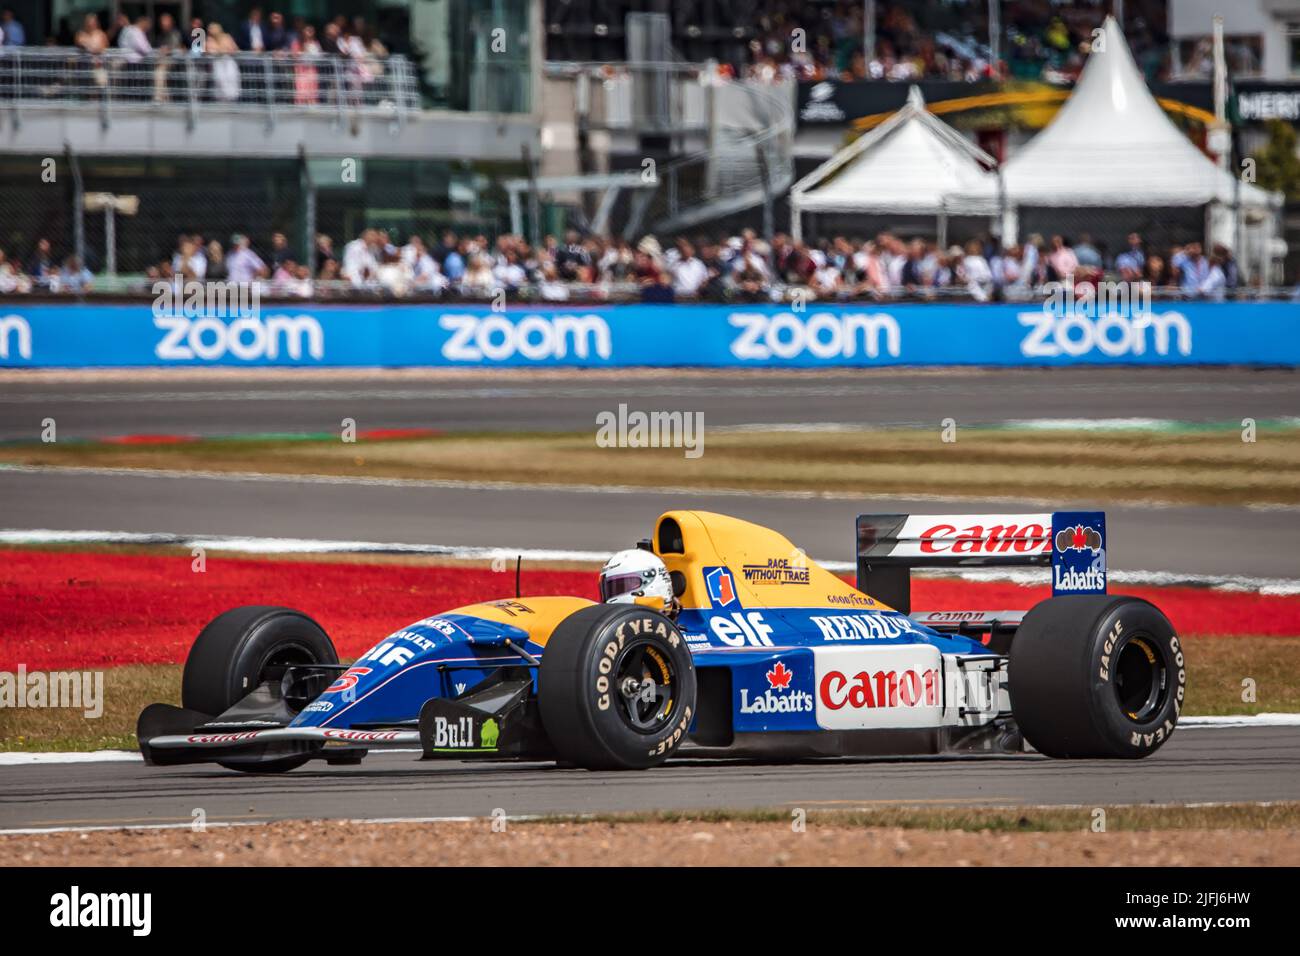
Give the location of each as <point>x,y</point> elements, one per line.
<point>857,335</point>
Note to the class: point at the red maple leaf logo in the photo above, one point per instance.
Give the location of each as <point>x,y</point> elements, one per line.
<point>1079,541</point>
<point>779,676</point>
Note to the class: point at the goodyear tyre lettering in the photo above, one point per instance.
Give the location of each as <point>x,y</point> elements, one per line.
<point>586,715</point>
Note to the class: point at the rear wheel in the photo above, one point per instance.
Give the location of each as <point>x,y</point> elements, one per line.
<point>245,647</point>
<point>1096,676</point>
<point>616,688</point>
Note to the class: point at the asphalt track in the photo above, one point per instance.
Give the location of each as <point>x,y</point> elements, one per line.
<point>1198,765</point>
<point>1192,540</point>
<point>180,402</point>
<point>1181,539</point>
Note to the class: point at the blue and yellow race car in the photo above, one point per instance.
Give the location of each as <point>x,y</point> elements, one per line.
<point>760,653</point>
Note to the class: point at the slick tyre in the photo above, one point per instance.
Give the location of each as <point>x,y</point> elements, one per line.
<point>616,688</point>
<point>1096,676</point>
<point>242,648</point>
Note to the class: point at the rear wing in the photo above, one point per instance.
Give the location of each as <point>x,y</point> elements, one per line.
<point>1071,543</point>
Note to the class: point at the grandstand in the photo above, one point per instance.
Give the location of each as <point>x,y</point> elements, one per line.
<point>576,150</point>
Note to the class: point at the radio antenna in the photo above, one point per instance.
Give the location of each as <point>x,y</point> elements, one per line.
<point>519,561</point>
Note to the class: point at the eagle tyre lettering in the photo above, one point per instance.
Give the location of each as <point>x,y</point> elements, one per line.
<point>616,688</point>
<point>1095,675</point>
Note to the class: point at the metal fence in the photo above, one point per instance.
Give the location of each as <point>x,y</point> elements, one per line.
<point>136,289</point>
<point>746,129</point>
<point>749,162</point>
<point>640,97</point>
<point>121,81</point>
<point>63,199</point>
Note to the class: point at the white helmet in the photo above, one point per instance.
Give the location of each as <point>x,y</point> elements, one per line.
<point>632,574</point>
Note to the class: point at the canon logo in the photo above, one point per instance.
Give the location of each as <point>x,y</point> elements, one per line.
<point>223,738</point>
<point>362,736</point>
<point>954,617</point>
<point>534,337</point>
<point>996,539</point>
<point>866,690</point>
<point>247,338</point>
<point>822,335</point>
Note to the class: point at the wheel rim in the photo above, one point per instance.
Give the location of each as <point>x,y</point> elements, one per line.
<point>1141,678</point>
<point>282,658</point>
<point>646,683</point>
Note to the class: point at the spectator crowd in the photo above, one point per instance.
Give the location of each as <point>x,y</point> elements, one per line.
<point>738,268</point>
<point>916,39</point>
<point>943,39</point>
<point>152,54</point>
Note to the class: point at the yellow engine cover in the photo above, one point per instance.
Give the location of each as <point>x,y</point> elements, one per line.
<point>767,569</point>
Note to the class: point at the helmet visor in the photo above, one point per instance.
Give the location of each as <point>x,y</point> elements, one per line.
<point>615,584</point>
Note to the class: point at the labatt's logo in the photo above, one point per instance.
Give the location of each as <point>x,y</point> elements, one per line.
<point>1090,579</point>
<point>1079,554</point>
<point>777,698</point>
<point>1078,538</point>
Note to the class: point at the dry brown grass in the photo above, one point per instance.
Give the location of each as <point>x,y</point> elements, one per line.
<point>127,690</point>
<point>1200,467</point>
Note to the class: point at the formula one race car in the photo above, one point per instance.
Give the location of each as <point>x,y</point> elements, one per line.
<point>763,653</point>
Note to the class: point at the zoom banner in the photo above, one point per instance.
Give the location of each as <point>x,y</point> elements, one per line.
<point>307,334</point>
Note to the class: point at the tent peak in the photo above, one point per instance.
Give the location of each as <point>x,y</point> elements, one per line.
<point>1111,144</point>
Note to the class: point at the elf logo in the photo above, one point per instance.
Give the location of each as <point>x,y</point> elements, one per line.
<point>741,628</point>
<point>248,338</point>
<point>389,654</point>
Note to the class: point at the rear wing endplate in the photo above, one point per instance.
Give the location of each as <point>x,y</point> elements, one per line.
<point>1071,543</point>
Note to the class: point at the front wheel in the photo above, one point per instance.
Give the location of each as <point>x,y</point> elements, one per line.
<point>246,647</point>
<point>1096,676</point>
<point>616,688</point>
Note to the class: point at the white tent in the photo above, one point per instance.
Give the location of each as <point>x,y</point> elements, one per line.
<point>1112,145</point>
<point>913,163</point>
